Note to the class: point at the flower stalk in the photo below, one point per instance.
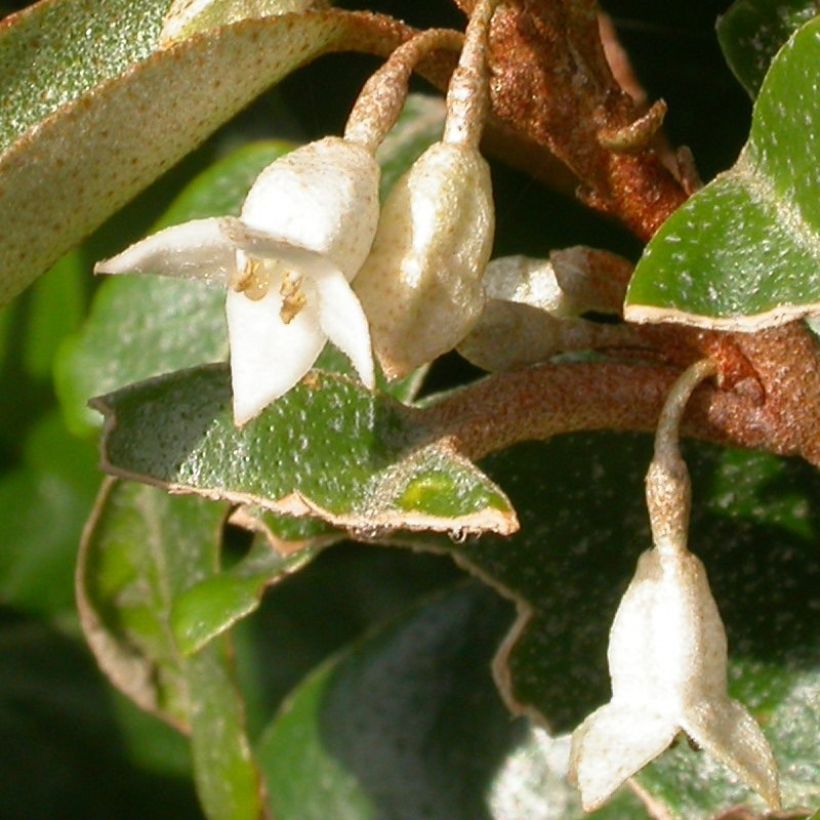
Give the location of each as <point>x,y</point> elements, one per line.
<point>668,650</point>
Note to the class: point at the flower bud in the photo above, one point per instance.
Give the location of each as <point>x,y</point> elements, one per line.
<point>421,287</point>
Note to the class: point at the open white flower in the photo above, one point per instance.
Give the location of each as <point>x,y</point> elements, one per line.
<point>305,229</point>
<point>667,661</point>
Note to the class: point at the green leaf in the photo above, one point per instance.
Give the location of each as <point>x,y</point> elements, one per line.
<point>144,326</point>
<point>584,523</point>
<point>61,179</point>
<point>43,506</point>
<point>142,551</point>
<point>53,53</point>
<point>405,724</point>
<point>212,606</point>
<point>743,253</point>
<point>752,31</point>
<point>63,751</point>
<point>329,448</point>
<point>185,18</point>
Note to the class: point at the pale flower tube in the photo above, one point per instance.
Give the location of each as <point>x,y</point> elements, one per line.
<point>305,229</point>
<point>667,661</point>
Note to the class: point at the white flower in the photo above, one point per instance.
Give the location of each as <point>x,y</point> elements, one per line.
<point>421,286</point>
<point>305,229</point>
<point>667,661</point>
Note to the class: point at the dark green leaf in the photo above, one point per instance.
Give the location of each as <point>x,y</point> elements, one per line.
<point>584,523</point>
<point>212,606</point>
<point>62,750</point>
<point>43,506</point>
<point>752,31</point>
<point>406,724</point>
<point>742,253</point>
<point>143,550</point>
<point>329,448</point>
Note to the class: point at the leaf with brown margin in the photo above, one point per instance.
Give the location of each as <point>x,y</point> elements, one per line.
<point>142,551</point>
<point>61,178</point>
<point>329,449</point>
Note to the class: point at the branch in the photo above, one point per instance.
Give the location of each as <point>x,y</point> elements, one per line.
<point>551,399</point>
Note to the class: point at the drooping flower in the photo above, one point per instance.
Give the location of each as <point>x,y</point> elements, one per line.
<point>667,662</point>
<point>421,286</point>
<point>304,231</point>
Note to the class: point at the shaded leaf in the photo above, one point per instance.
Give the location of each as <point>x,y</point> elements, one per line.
<point>752,32</point>
<point>406,724</point>
<point>329,448</point>
<point>742,253</point>
<point>60,180</point>
<point>213,605</point>
<point>143,550</point>
<point>584,522</point>
<point>62,751</point>
<point>43,506</point>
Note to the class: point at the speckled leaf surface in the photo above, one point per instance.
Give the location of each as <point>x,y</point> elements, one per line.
<point>756,526</point>
<point>141,552</point>
<point>329,448</point>
<point>744,252</point>
<point>53,53</point>
<point>61,179</point>
<point>752,32</point>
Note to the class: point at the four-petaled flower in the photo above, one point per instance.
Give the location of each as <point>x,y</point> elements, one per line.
<point>305,229</point>
<point>667,661</point>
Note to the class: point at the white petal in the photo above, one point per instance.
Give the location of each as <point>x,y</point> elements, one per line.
<point>729,733</point>
<point>261,244</point>
<point>344,322</point>
<point>198,249</point>
<point>614,743</point>
<point>268,357</point>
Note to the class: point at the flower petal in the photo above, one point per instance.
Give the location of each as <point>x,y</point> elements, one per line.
<point>268,357</point>
<point>342,319</point>
<point>729,733</point>
<point>612,744</point>
<point>199,249</point>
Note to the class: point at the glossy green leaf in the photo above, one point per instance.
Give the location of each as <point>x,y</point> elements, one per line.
<point>329,448</point>
<point>744,252</point>
<point>755,525</point>
<point>752,32</point>
<point>61,179</point>
<point>142,326</point>
<point>212,606</point>
<point>142,551</point>
<point>43,506</point>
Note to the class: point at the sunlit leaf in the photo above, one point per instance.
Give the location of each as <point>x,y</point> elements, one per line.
<point>60,180</point>
<point>752,31</point>
<point>744,252</point>
<point>329,448</point>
